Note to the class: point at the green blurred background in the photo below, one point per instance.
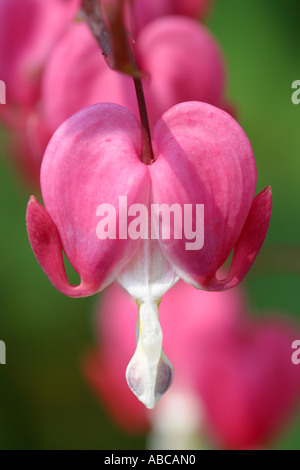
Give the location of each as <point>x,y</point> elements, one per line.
<point>44,400</point>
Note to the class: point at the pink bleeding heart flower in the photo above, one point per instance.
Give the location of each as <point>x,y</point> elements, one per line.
<point>234,378</point>
<point>250,387</point>
<point>174,76</point>
<point>183,60</point>
<point>140,13</point>
<point>29,30</point>
<point>99,197</point>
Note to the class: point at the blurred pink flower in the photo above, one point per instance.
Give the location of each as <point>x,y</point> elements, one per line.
<point>202,156</point>
<point>29,30</point>
<point>182,58</point>
<point>238,368</point>
<point>194,8</point>
<point>140,13</point>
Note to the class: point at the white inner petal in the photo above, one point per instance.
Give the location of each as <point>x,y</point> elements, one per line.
<point>147,277</point>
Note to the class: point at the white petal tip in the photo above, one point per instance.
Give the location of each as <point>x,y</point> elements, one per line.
<point>149,384</point>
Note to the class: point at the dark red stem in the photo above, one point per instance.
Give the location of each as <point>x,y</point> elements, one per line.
<point>119,56</point>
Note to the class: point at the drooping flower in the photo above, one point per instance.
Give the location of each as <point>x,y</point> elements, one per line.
<point>234,378</point>
<point>29,30</point>
<point>182,59</point>
<point>202,157</point>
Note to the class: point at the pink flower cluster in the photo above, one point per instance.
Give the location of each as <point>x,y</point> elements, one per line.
<point>41,45</point>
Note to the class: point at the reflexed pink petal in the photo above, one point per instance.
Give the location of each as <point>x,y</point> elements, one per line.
<point>250,242</point>
<point>47,247</point>
<point>92,159</point>
<point>207,159</point>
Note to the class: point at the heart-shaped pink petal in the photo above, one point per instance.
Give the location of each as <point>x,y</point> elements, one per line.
<point>93,159</point>
<point>206,158</point>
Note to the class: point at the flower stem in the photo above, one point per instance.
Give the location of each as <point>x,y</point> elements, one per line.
<point>148,156</point>
<point>118,55</point>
